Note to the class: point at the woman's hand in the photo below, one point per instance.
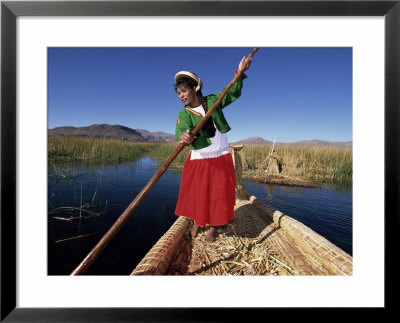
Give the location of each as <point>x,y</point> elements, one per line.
<point>186,138</point>
<point>244,64</point>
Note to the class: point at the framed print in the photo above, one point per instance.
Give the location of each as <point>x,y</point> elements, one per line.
<point>27,27</point>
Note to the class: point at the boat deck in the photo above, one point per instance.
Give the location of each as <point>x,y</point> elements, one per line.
<point>253,229</point>
<point>252,244</point>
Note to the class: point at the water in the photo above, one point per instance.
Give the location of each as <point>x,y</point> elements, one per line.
<point>108,190</point>
<point>326,210</point>
<point>94,196</point>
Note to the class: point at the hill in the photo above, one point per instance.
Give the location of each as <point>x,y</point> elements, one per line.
<point>112,132</point>
<point>313,142</point>
<point>254,141</point>
<point>141,135</point>
<point>323,143</point>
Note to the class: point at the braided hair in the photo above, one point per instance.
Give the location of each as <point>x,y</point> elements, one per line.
<point>208,128</point>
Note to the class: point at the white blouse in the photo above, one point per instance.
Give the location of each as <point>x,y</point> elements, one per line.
<point>219,143</point>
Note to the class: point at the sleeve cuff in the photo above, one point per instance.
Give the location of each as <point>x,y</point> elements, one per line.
<point>244,75</point>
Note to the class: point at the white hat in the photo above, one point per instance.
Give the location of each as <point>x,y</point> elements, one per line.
<point>191,75</point>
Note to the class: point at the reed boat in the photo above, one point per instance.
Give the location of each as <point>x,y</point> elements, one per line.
<point>259,241</point>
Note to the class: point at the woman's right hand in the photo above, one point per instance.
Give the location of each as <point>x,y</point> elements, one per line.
<point>186,138</point>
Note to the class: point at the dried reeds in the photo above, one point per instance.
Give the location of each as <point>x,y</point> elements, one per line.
<point>231,254</point>
<point>315,163</point>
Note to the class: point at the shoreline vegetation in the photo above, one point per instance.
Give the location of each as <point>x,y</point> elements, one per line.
<point>299,165</point>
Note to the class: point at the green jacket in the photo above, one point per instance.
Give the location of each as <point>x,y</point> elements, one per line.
<point>188,118</point>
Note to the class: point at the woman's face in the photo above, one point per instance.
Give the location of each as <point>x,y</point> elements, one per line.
<point>187,95</point>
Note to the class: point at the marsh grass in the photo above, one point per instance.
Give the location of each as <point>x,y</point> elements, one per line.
<point>84,210</point>
<point>70,148</point>
<point>72,222</point>
<point>108,150</point>
<point>310,162</point>
<point>162,151</point>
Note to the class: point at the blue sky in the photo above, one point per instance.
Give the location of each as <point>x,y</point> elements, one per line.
<point>290,94</point>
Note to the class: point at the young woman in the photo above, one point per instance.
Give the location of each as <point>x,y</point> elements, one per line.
<point>207,190</point>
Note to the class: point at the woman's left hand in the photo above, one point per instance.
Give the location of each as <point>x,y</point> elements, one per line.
<point>244,64</point>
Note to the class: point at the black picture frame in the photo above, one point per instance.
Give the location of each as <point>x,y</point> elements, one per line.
<point>10,10</point>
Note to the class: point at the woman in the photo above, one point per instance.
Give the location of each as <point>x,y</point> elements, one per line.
<point>207,191</point>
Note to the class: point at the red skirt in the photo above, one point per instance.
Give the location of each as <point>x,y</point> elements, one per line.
<point>207,191</point>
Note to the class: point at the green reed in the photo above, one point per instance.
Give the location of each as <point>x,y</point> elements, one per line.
<point>162,151</point>
<point>72,148</point>
<point>84,210</point>
<point>311,162</point>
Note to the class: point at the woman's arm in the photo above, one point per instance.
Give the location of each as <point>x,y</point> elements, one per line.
<point>236,90</point>
<point>182,130</point>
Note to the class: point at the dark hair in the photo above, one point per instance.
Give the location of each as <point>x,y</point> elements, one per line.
<point>208,128</point>
<point>187,82</point>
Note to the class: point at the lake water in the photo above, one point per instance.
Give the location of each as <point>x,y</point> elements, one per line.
<point>327,210</point>
<point>85,200</point>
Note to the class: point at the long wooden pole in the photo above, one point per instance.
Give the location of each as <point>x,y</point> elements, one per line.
<point>103,242</point>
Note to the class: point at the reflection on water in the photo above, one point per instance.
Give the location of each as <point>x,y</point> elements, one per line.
<point>85,200</point>
<point>326,210</point>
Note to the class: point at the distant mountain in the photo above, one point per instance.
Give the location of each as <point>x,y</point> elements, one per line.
<point>112,132</point>
<point>254,141</point>
<point>141,135</point>
<point>158,136</point>
<point>313,142</point>
<point>323,143</point>
<point>163,136</point>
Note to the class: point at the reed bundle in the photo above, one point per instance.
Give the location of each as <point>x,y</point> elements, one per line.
<point>331,257</point>
<point>158,260</point>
